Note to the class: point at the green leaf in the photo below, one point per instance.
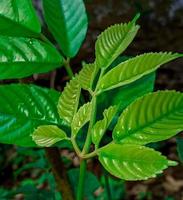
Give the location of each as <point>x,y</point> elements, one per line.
<point>18,18</point>
<point>113,41</point>
<point>180,148</point>
<point>69,100</point>
<point>124,95</point>
<point>67,20</point>
<point>48,135</point>
<point>134,68</point>
<point>154,117</point>
<point>86,76</point>
<point>21,57</point>
<point>132,162</point>
<point>101,126</point>
<point>81,118</point>
<point>25,107</point>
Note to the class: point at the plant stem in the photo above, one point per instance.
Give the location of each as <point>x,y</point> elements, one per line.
<point>107,186</point>
<point>81,183</point>
<point>86,148</point>
<point>68,68</point>
<point>59,172</point>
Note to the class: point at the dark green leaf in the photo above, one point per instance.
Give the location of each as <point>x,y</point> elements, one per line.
<point>67,21</point>
<point>132,162</point>
<point>25,107</point>
<point>21,57</point>
<point>134,68</point>
<point>18,18</point>
<point>154,117</point>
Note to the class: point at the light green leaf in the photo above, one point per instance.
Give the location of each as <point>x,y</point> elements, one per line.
<point>81,118</point>
<point>135,68</point>
<point>69,100</point>
<point>25,107</point>
<point>101,126</point>
<point>113,41</point>
<point>132,162</point>
<point>21,57</point>
<point>18,18</point>
<point>154,117</point>
<point>86,76</point>
<point>67,20</point>
<point>48,135</point>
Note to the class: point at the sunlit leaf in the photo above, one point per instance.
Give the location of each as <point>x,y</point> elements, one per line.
<point>135,68</point>
<point>154,117</point>
<point>68,101</point>
<point>67,20</point>
<point>101,126</point>
<point>48,135</point>
<point>113,41</point>
<point>81,118</point>
<point>133,162</point>
<point>21,57</point>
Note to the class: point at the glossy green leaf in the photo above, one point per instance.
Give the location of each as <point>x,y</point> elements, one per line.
<point>69,100</point>
<point>124,95</point>
<point>180,148</point>
<point>67,20</point>
<point>25,107</point>
<point>154,117</point>
<point>21,57</point>
<point>81,118</point>
<point>86,76</point>
<point>113,41</point>
<point>133,162</point>
<point>101,126</point>
<point>48,135</point>
<point>18,18</point>
<point>134,68</point>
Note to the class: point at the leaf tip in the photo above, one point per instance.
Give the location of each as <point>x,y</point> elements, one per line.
<point>137,16</point>
<point>172,163</point>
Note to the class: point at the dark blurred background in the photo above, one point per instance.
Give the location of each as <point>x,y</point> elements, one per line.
<point>161,30</point>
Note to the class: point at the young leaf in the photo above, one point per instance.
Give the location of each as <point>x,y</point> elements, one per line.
<point>125,95</point>
<point>134,68</point>
<point>25,107</point>
<point>67,20</point>
<point>48,135</point>
<point>18,18</point>
<point>21,57</point>
<point>101,126</point>
<point>86,76</point>
<point>154,117</point>
<point>113,41</point>
<point>69,100</point>
<point>81,118</point>
<point>132,162</point>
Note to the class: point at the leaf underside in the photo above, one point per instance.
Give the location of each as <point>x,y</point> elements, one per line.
<point>134,68</point>
<point>48,135</point>
<point>113,41</point>
<point>132,162</point>
<point>69,100</point>
<point>21,57</point>
<point>71,17</point>
<point>18,18</point>
<point>81,118</point>
<point>25,107</point>
<point>154,117</point>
